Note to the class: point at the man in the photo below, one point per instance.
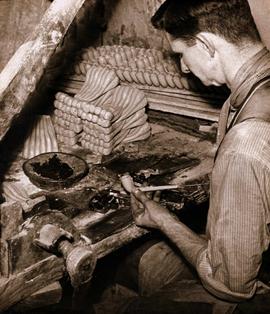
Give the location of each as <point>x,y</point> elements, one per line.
<point>218,42</point>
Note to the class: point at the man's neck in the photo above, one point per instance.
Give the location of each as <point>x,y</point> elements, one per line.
<point>234,58</point>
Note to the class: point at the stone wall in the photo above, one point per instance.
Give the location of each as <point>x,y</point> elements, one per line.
<point>17,20</point>
<point>128,22</point>
<point>261,13</point>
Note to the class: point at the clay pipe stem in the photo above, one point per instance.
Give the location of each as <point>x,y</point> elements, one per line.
<point>128,185</point>
<point>158,188</point>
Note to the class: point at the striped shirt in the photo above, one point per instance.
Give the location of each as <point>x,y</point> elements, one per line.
<point>239,213</point>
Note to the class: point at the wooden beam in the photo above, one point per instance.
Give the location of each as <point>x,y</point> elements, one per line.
<point>184,107</point>
<point>11,215</point>
<point>24,284</point>
<point>114,242</point>
<point>49,295</point>
<point>43,43</point>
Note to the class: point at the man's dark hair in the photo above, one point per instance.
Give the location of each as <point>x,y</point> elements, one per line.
<point>230,19</point>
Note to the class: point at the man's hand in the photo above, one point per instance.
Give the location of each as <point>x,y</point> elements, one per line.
<point>146,212</point>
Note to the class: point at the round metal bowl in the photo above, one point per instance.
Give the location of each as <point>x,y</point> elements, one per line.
<point>78,165</point>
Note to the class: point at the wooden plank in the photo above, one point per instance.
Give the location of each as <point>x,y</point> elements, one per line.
<point>185,107</point>
<point>209,99</point>
<point>4,259</point>
<point>21,248</point>
<point>24,284</point>
<point>118,240</point>
<point>11,215</point>
<point>182,109</point>
<point>49,295</point>
<point>11,218</point>
<point>46,38</point>
<point>108,225</point>
<point>191,102</point>
<point>187,125</point>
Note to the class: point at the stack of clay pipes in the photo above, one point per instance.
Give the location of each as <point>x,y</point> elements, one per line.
<point>102,115</point>
<point>41,139</point>
<point>148,67</point>
<point>66,119</point>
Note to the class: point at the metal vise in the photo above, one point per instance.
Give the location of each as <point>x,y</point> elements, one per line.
<point>80,260</point>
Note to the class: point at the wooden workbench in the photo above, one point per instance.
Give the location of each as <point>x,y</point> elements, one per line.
<point>26,269</point>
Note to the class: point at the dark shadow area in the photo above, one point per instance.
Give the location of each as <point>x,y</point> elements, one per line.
<point>85,31</point>
<point>21,126</point>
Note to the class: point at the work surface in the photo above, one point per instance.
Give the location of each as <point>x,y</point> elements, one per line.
<point>96,210</point>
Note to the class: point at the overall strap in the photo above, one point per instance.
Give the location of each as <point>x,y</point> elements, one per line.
<point>253,109</point>
<point>249,110</point>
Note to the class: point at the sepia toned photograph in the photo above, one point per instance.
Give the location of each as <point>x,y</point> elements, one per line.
<point>134,156</point>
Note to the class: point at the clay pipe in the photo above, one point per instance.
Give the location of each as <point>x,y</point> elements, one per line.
<point>127,182</point>
<point>128,185</point>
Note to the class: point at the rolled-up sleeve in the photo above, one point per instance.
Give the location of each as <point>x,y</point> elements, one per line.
<point>237,227</point>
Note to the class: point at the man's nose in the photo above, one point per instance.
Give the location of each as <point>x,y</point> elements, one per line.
<point>184,67</point>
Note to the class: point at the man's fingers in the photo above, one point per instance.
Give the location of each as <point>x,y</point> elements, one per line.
<point>156,196</point>
<point>136,207</point>
<point>140,196</point>
<point>133,202</point>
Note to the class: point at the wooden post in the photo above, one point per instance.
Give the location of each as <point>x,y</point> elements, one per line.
<point>115,241</point>
<point>24,284</point>
<point>20,84</point>
<point>11,218</point>
<point>49,295</point>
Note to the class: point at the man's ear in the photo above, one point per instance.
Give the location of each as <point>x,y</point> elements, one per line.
<point>206,43</point>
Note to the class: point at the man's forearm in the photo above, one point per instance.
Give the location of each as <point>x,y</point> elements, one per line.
<point>189,243</point>
<point>194,248</point>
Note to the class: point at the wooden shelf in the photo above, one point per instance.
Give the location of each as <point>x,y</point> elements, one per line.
<point>181,102</point>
